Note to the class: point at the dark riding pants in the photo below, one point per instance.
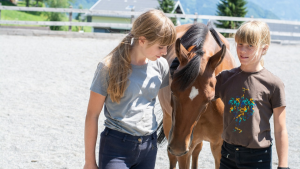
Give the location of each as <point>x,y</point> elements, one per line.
<point>123,151</point>
<point>238,157</point>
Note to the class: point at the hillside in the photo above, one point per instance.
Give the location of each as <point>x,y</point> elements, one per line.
<point>286,10</point>
<point>209,7</point>
<point>271,9</point>
<point>86,4</point>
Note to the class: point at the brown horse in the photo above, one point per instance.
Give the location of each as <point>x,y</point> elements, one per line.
<point>190,115</point>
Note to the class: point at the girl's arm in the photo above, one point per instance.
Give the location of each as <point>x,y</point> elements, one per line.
<point>281,136</point>
<point>91,128</point>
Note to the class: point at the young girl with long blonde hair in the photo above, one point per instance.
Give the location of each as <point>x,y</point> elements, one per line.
<point>251,95</point>
<point>126,84</point>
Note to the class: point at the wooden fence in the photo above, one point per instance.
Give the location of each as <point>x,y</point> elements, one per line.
<point>130,14</point>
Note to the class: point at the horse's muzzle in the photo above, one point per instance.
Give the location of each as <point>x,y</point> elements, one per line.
<point>177,153</point>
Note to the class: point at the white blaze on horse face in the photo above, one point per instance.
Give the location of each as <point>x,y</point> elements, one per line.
<point>194,93</point>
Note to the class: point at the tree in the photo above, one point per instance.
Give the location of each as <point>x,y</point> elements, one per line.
<point>37,2</point>
<point>27,3</point>
<point>234,8</point>
<point>78,17</point>
<point>56,16</point>
<point>167,6</point>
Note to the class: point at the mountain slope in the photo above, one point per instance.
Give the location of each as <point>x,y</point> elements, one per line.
<point>86,4</point>
<point>284,9</point>
<point>271,9</point>
<point>258,12</point>
<point>209,7</point>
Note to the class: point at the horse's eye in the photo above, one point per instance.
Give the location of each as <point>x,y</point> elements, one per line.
<point>211,84</point>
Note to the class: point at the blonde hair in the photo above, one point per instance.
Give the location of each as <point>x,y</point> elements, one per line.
<point>255,33</point>
<point>156,28</point>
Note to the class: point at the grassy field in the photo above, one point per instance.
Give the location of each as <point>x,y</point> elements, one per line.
<point>35,16</point>
<point>21,16</point>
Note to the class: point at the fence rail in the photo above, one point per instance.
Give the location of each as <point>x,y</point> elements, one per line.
<point>94,24</point>
<point>58,23</point>
<point>130,13</point>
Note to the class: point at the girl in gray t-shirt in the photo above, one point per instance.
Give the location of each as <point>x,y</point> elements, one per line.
<point>126,84</point>
<point>251,95</point>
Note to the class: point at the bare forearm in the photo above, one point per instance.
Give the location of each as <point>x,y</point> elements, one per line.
<point>90,138</point>
<point>282,145</point>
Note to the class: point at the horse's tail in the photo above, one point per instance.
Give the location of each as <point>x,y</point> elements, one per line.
<point>161,138</point>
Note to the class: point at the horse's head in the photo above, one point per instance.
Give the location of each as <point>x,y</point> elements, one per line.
<point>193,85</point>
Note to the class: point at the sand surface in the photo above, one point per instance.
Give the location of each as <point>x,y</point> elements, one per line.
<point>44,91</point>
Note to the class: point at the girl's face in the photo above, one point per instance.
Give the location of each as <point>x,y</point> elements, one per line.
<point>248,54</point>
<point>154,51</point>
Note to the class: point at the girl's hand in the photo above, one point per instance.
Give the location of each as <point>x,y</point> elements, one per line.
<point>90,166</point>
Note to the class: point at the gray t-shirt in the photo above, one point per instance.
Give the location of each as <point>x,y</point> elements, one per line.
<point>134,114</point>
<point>249,100</point>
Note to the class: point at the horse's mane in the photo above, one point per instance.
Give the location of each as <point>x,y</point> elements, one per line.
<point>194,36</point>
<point>186,76</point>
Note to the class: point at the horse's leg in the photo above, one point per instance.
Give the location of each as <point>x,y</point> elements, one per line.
<point>185,160</point>
<point>167,123</point>
<point>172,160</point>
<point>195,155</point>
<point>216,151</point>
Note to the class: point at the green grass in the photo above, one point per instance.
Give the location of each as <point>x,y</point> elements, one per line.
<point>34,16</point>
<point>20,16</point>
<point>21,3</point>
<point>24,16</point>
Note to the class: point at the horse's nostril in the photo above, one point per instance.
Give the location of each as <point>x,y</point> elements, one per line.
<point>169,149</point>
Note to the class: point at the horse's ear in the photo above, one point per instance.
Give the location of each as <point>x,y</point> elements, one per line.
<point>217,58</point>
<point>181,52</point>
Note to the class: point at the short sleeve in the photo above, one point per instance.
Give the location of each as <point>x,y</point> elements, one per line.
<point>165,73</point>
<point>100,80</point>
<point>278,96</point>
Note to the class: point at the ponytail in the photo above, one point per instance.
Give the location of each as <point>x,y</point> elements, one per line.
<point>119,69</point>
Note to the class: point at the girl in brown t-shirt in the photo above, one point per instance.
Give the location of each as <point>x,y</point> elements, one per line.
<point>251,95</point>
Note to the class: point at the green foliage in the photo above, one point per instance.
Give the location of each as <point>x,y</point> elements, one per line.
<point>6,3</point>
<point>235,8</point>
<point>27,3</point>
<point>56,16</point>
<point>78,17</point>
<point>167,6</point>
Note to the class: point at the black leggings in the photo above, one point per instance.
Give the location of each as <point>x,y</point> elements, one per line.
<point>238,157</point>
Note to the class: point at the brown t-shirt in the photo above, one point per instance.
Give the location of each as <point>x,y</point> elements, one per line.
<point>249,100</point>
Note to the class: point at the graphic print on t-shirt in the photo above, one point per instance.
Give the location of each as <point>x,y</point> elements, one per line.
<point>242,109</point>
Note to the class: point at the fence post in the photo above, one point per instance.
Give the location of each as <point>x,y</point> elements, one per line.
<point>0,11</point>
<point>178,23</point>
<point>196,17</point>
<point>132,16</point>
<point>70,19</point>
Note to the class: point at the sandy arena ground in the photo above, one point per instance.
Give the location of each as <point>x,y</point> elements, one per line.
<point>44,91</point>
